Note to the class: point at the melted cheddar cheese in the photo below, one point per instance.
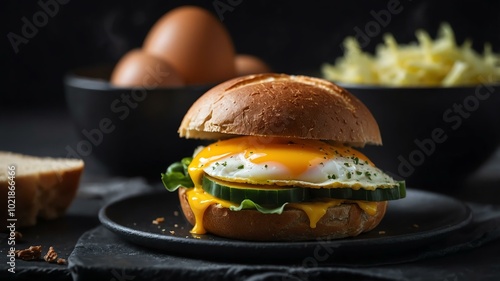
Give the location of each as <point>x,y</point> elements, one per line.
<point>289,160</point>
<point>199,201</point>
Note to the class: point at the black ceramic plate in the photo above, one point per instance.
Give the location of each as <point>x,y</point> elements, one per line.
<point>421,220</point>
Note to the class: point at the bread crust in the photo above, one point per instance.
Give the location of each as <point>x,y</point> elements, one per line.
<point>44,187</point>
<point>283,106</point>
<point>341,221</point>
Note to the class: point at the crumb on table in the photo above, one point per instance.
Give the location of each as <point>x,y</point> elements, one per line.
<point>158,220</point>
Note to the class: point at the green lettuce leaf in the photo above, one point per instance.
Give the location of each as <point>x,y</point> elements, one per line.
<point>177,175</point>
<point>249,204</point>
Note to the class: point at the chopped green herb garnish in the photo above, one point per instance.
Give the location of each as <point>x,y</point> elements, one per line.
<point>332,177</point>
<point>241,167</point>
<point>349,175</point>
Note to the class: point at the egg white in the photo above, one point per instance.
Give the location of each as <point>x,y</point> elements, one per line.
<point>337,172</point>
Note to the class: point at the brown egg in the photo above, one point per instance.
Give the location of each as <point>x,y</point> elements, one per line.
<point>137,68</point>
<point>248,64</point>
<point>196,44</point>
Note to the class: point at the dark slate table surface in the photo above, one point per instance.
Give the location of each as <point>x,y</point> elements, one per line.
<point>95,252</point>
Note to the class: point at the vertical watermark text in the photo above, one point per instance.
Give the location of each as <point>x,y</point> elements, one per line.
<point>11,219</point>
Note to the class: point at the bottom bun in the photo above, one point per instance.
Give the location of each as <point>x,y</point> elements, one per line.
<point>340,221</point>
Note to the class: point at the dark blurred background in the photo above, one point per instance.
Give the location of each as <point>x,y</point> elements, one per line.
<point>292,36</point>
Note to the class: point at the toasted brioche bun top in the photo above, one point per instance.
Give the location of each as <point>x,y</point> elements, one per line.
<point>280,105</point>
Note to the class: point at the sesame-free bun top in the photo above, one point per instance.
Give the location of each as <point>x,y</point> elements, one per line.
<point>281,105</point>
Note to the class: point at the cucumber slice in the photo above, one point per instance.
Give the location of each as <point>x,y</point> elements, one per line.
<point>379,194</point>
<point>276,196</point>
<point>264,195</point>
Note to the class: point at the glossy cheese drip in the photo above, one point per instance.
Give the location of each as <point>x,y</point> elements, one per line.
<point>296,155</point>
<point>316,210</point>
<point>199,201</point>
<point>369,207</point>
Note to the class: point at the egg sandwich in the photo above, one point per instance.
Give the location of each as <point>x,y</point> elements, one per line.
<point>282,165</point>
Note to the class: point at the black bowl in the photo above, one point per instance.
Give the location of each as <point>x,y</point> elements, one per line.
<point>433,137</point>
<point>132,131</point>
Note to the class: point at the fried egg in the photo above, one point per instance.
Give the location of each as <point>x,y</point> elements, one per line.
<point>288,162</point>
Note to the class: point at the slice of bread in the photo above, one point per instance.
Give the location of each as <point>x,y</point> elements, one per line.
<point>32,187</point>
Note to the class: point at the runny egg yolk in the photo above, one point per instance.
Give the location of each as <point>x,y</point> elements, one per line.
<point>296,155</point>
